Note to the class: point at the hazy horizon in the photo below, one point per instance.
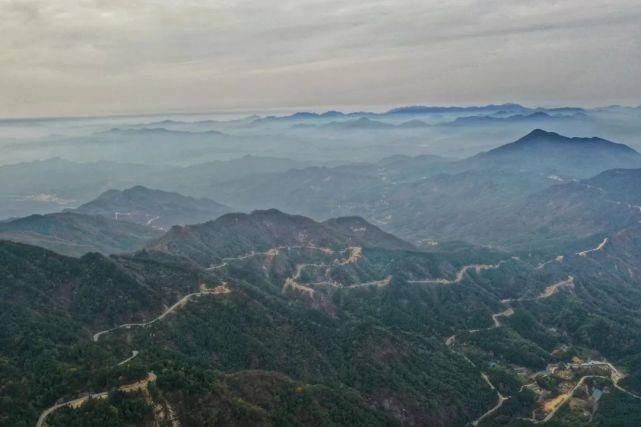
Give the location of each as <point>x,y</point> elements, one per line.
<point>320,213</point>
<point>63,58</point>
<point>288,110</point>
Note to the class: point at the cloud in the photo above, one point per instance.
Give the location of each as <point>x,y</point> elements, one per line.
<point>98,56</point>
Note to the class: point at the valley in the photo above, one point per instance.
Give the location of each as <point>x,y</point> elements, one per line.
<point>316,270</point>
<point>320,213</point>
<point>513,299</point>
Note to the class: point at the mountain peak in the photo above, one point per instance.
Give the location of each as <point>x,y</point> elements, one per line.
<point>553,139</point>
<point>236,234</point>
<point>542,151</point>
<point>540,133</point>
<point>138,189</point>
<point>332,113</point>
<point>155,208</point>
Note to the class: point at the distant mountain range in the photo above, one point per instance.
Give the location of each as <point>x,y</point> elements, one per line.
<point>533,191</point>
<point>499,288</point>
<point>153,208</point>
<point>548,152</point>
<point>117,221</point>
<point>156,131</point>
<point>435,199</point>
<point>357,124</point>
<point>55,184</point>
<point>501,119</point>
<point>421,109</point>
<point>508,108</point>
<point>422,199</point>
<point>51,185</point>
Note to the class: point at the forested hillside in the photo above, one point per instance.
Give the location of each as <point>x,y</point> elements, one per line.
<point>375,334</point>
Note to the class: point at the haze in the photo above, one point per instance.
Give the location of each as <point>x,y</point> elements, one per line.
<point>94,57</point>
<point>320,213</point>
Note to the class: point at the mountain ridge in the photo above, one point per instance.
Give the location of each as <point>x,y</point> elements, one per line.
<point>155,208</point>
<point>540,136</point>
<point>546,152</point>
<point>76,234</point>
<point>237,234</point>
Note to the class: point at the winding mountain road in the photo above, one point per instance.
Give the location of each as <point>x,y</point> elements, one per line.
<point>76,403</point>
<point>505,313</point>
<point>496,407</point>
<point>553,289</point>
<point>451,340</point>
<point>355,253</point>
<point>271,252</point>
<point>509,311</point>
<point>559,259</point>
<point>221,289</point>
<point>374,283</point>
<point>134,354</point>
<point>598,248</point>
<point>460,275</point>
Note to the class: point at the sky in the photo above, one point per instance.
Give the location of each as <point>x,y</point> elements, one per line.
<point>92,57</point>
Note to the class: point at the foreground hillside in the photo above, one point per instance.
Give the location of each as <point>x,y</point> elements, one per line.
<point>273,319</point>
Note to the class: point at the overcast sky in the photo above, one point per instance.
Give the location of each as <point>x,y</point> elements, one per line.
<point>67,57</point>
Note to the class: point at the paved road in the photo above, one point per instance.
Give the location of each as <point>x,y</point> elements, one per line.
<point>76,403</point>
<point>375,283</point>
<point>495,407</point>
<point>271,252</point>
<point>222,289</point>
<point>460,275</point>
<point>505,313</point>
<point>585,253</point>
<point>547,292</point>
<point>130,358</point>
<point>598,248</point>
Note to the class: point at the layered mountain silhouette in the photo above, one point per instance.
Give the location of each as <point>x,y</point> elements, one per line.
<point>236,234</point>
<point>153,208</point>
<point>500,119</point>
<point>543,152</point>
<point>409,291</point>
<point>76,234</point>
<point>427,199</point>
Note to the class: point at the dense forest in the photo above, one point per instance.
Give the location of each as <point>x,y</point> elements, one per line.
<point>302,336</point>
